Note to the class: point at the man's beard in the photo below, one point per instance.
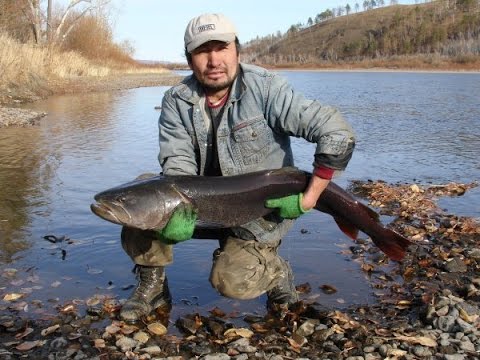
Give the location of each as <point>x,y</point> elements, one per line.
<point>219,86</point>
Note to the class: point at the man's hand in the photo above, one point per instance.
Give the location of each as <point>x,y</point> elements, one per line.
<point>288,207</point>
<point>180,227</point>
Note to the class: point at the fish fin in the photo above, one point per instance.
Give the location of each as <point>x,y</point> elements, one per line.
<point>347,228</point>
<point>392,244</point>
<point>372,213</point>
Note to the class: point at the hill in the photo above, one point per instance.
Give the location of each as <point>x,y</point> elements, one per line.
<point>436,34</point>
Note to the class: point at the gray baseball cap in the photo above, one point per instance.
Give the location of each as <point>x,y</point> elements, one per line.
<point>208,27</point>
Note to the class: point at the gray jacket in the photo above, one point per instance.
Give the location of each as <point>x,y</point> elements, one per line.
<point>261,114</point>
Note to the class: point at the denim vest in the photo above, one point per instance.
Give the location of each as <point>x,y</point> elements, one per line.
<point>261,114</point>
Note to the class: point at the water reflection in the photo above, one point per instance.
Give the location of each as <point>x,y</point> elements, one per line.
<point>23,172</point>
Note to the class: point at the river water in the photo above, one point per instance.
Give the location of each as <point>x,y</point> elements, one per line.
<point>411,127</point>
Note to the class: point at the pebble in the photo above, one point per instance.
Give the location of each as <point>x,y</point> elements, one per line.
<point>125,343</point>
<point>216,356</point>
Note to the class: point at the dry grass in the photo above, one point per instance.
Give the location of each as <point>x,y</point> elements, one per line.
<point>30,69</point>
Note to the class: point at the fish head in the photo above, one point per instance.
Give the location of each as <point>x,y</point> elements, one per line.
<point>142,204</point>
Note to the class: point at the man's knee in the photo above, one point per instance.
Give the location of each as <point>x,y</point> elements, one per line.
<point>245,269</point>
<point>144,248</point>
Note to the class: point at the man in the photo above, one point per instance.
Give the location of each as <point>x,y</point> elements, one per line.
<point>230,118</point>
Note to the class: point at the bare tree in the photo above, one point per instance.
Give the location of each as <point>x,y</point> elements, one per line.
<point>87,6</point>
<point>35,17</point>
<point>40,21</point>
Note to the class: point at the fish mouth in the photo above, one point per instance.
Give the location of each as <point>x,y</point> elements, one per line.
<point>110,212</point>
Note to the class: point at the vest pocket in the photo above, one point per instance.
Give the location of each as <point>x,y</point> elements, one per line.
<point>252,139</point>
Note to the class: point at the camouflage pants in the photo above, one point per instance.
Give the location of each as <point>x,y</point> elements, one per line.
<point>241,269</point>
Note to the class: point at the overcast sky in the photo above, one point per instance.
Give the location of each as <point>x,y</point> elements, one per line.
<point>156,27</point>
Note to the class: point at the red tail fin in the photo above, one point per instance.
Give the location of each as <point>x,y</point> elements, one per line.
<point>391,243</point>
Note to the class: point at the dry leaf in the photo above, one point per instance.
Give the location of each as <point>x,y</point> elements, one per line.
<point>422,340</point>
<point>99,343</point>
<point>49,330</point>
<point>242,332</point>
<point>328,289</point>
<point>217,312</point>
<point>12,296</point>
<point>29,345</point>
<point>157,328</point>
<point>24,333</point>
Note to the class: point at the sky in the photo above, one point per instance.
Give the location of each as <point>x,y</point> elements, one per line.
<point>156,27</point>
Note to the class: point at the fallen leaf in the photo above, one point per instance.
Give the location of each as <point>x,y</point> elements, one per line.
<point>328,289</point>
<point>242,332</point>
<point>157,328</point>
<point>24,333</point>
<point>99,343</point>
<point>422,340</point>
<point>29,345</point>
<point>12,296</point>
<point>217,312</point>
<point>50,330</point>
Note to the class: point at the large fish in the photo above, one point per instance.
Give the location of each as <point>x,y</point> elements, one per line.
<point>227,201</point>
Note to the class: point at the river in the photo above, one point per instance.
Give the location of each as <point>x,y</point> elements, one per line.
<point>410,127</point>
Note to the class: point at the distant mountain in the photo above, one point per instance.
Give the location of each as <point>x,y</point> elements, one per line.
<point>444,28</point>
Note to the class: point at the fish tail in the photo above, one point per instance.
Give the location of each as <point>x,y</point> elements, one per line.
<point>391,243</point>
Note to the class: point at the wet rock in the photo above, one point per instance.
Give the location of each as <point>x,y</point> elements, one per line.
<point>58,343</point>
<point>422,351</point>
<point>216,356</point>
<point>201,349</point>
<point>446,323</point>
<point>142,337</point>
<point>152,350</point>
<point>307,328</point>
<point>454,357</point>
<point>242,345</point>
<point>455,265</point>
<point>126,343</point>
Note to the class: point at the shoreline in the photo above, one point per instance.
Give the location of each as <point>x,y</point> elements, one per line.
<point>11,115</point>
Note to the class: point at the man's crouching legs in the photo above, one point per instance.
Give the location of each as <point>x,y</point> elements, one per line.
<point>245,269</point>
<point>150,257</point>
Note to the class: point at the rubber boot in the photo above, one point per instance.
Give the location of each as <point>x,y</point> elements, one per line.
<point>284,294</point>
<point>152,292</point>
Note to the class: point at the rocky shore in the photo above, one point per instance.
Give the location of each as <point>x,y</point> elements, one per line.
<point>427,305</point>
<point>12,115</point>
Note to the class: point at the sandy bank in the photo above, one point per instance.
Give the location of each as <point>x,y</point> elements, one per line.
<point>13,116</point>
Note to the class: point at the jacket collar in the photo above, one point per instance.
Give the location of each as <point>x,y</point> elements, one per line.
<point>191,90</point>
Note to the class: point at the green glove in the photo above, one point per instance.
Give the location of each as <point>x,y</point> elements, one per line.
<point>180,226</point>
<point>289,207</point>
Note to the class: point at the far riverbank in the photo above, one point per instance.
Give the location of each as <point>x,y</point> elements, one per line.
<point>11,115</point>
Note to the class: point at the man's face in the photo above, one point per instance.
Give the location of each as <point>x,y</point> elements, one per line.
<point>215,65</point>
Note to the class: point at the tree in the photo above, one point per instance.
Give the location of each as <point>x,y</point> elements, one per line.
<point>366,5</point>
<point>310,21</point>
<point>357,7</point>
<point>42,24</point>
<point>348,9</point>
